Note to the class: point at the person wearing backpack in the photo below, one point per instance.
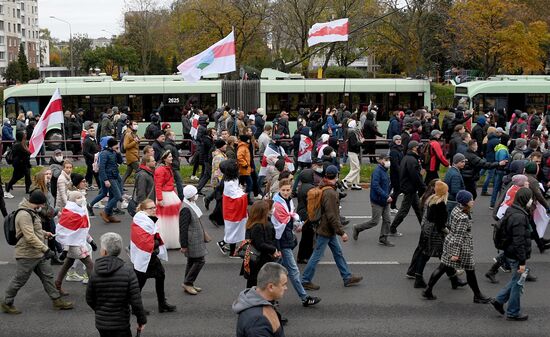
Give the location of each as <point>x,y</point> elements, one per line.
<point>131,149</point>
<point>380,200</point>
<point>31,253</point>
<point>517,250</point>
<point>327,231</point>
<point>433,157</point>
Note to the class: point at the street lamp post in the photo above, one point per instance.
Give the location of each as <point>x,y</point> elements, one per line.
<point>70,40</point>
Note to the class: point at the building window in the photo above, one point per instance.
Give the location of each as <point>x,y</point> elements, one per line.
<point>9,27</point>
<point>23,32</point>
<point>2,40</point>
<point>22,6</point>
<point>23,19</point>
<point>19,28</point>
<point>1,24</point>
<point>13,12</point>
<point>18,13</point>
<point>1,9</point>
<point>2,55</point>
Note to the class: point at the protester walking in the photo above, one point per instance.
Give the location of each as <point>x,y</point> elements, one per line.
<point>21,163</point>
<point>168,202</point>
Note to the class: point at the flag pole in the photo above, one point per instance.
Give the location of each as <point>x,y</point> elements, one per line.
<point>64,139</point>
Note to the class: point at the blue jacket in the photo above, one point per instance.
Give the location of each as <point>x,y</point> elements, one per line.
<point>393,128</point>
<point>7,132</point>
<point>501,153</point>
<point>108,165</point>
<point>380,186</point>
<point>330,124</point>
<point>492,141</point>
<point>454,180</point>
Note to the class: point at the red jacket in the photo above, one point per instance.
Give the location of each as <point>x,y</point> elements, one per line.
<point>436,153</point>
<point>164,180</point>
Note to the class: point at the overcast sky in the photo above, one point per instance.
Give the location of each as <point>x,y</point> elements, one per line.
<point>86,16</point>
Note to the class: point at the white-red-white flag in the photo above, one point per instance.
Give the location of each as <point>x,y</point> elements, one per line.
<point>272,153</point>
<point>142,242</point>
<point>53,114</point>
<point>332,31</point>
<point>194,126</point>
<point>305,149</point>
<point>234,210</point>
<point>73,226</point>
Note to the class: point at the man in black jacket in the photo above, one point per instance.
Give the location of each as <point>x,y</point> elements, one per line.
<point>517,251</point>
<point>411,185</point>
<point>207,145</point>
<point>474,164</point>
<point>396,155</point>
<point>89,149</point>
<point>112,289</point>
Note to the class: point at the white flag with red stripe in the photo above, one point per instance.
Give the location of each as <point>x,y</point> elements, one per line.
<point>271,156</point>
<point>142,242</point>
<point>53,114</point>
<point>282,214</point>
<point>235,213</point>
<point>332,31</point>
<point>73,226</point>
<point>305,149</point>
<point>194,125</point>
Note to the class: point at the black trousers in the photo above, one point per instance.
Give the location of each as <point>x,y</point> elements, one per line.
<point>18,173</point>
<point>192,270</point>
<point>91,174</point>
<point>442,269</point>
<point>159,284</point>
<point>409,200</point>
<point>305,249</point>
<point>430,175</point>
<point>396,191</point>
<point>470,185</point>
<point>206,174</point>
<point>115,333</point>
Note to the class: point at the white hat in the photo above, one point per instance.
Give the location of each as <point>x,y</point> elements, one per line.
<point>189,191</point>
<point>324,137</point>
<point>260,111</point>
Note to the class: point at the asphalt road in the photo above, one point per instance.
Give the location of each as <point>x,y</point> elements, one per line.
<point>385,304</point>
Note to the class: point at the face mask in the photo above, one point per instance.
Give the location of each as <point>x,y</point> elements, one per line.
<point>333,154</point>
<point>524,147</point>
<point>387,164</point>
<point>529,203</point>
<point>38,209</point>
<point>59,158</point>
<point>318,169</point>
<point>81,202</point>
<point>310,133</point>
<point>134,127</point>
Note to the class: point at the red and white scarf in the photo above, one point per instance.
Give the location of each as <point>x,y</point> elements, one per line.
<point>271,156</point>
<point>73,226</point>
<point>282,215</point>
<point>142,244</point>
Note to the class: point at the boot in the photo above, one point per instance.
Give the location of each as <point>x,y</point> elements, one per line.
<point>427,294</point>
<point>492,273</point>
<point>419,281</point>
<point>165,307</point>
<point>60,304</point>
<point>456,282</point>
<point>482,299</point>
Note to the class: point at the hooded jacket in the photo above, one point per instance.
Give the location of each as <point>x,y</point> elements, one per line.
<point>409,174</point>
<point>28,227</point>
<point>518,233</point>
<point>492,141</point>
<point>257,316</point>
<point>396,155</point>
<point>112,289</point>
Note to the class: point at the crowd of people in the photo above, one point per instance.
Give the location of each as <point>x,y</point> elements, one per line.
<point>254,202</point>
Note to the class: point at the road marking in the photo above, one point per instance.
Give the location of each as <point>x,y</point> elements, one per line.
<point>3,263</point>
<point>357,216</point>
<point>364,262</point>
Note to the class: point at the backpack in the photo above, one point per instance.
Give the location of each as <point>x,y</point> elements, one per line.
<point>9,156</point>
<point>427,155</point>
<point>314,197</point>
<point>500,237</point>
<point>9,226</point>
<point>121,144</point>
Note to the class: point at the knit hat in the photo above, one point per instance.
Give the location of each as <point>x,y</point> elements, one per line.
<point>76,179</point>
<point>463,197</point>
<point>396,137</point>
<point>417,124</point>
<point>459,157</point>
<point>481,120</point>
<point>189,191</point>
<point>441,188</point>
<point>111,142</point>
<point>413,144</point>
<point>37,197</point>
<point>74,195</point>
<point>324,138</point>
<point>260,111</point>
<point>520,142</point>
<point>219,143</point>
<point>531,168</point>
<point>522,197</point>
<point>519,180</point>
<point>500,130</point>
<point>331,172</point>
<point>435,133</point>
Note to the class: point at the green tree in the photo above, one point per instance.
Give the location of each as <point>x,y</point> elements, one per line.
<point>175,64</point>
<point>23,65</point>
<point>11,73</point>
<point>34,73</point>
<point>112,59</point>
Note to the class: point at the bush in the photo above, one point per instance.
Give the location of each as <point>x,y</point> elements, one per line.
<point>444,95</point>
<point>340,72</point>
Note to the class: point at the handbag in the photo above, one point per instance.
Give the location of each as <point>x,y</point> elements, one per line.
<point>132,204</point>
<point>248,253</point>
<point>206,237</point>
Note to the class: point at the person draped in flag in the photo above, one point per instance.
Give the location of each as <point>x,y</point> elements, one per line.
<point>193,239</point>
<point>305,148</point>
<point>273,152</point>
<point>234,209</point>
<point>321,144</point>
<point>286,221</point>
<point>168,202</point>
<point>147,249</point>
<point>73,233</point>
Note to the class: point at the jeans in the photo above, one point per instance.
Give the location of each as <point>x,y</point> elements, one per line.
<point>511,293</point>
<point>409,200</point>
<point>103,191</point>
<point>496,187</point>
<point>115,195</point>
<point>334,245</point>
<point>488,180</point>
<point>23,271</point>
<point>377,213</point>
<point>287,260</point>
<point>179,182</point>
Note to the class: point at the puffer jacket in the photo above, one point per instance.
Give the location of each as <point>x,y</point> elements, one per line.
<point>108,165</point>
<point>144,185</point>
<point>28,227</point>
<point>113,287</point>
<point>380,186</point>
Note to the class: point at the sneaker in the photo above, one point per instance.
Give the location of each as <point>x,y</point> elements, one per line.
<point>189,289</point>
<point>234,257</point>
<point>409,276</point>
<point>310,300</point>
<point>310,286</point>
<point>85,279</point>
<point>73,277</point>
<point>60,304</point>
<point>345,184</point>
<point>91,188</point>
<point>386,243</point>
<point>124,204</point>
<point>99,205</point>
<point>491,207</point>
<point>519,318</point>
<point>221,246</point>
<point>195,178</point>
<point>485,194</point>
<point>356,187</point>
<point>10,309</point>
<point>396,234</point>
<point>118,211</point>
<point>353,280</point>
<point>394,210</point>
<point>8,195</point>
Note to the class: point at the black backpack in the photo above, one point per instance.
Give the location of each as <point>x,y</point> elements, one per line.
<point>9,156</point>
<point>500,237</point>
<point>9,226</point>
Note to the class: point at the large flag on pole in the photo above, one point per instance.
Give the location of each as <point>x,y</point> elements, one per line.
<point>217,59</point>
<point>332,31</point>
<point>53,114</point>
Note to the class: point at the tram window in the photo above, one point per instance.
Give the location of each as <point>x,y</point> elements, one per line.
<point>535,101</point>
<point>29,104</point>
<point>208,103</point>
<point>135,103</point>
<point>10,108</point>
<point>119,101</point>
<point>334,99</point>
<point>275,103</point>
